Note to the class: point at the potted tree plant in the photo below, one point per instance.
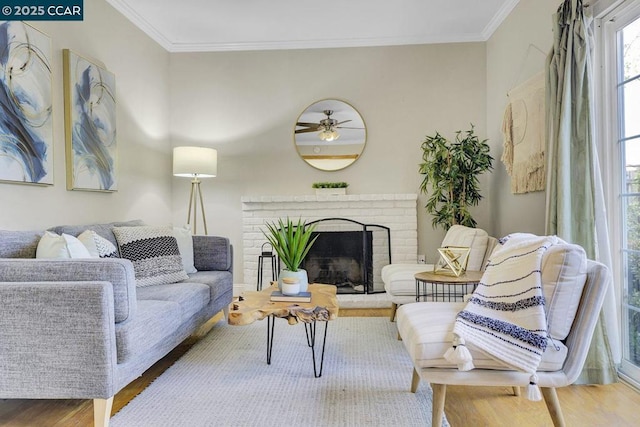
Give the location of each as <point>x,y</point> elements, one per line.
<point>291,241</point>
<point>451,171</point>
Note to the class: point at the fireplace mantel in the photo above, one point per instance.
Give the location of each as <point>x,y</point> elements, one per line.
<point>396,211</point>
<point>330,198</point>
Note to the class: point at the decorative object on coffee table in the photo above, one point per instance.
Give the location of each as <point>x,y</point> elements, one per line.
<point>299,297</point>
<point>292,242</point>
<point>290,286</point>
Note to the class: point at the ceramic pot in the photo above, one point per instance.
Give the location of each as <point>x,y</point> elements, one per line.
<point>290,286</point>
<point>331,191</point>
<point>301,275</point>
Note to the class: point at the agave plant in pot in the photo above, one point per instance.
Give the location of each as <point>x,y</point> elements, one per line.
<point>291,241</point>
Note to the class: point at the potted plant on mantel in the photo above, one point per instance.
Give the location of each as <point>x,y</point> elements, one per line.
<point>451,171</point>
<point>292,242</point>
<point>330,188</point>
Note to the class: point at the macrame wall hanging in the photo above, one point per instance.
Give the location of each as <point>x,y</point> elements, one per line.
<point>523,133</point>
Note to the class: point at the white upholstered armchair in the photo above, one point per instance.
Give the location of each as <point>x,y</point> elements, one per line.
<point>399,280</point>
<point>571,283</point>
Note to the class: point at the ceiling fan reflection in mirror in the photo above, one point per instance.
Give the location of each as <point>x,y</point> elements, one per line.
<point>326,128</point>
<point>329,134</point>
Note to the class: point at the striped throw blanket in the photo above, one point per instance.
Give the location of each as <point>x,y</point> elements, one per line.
<point>505,316</point>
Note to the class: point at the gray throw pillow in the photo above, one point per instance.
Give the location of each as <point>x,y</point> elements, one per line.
<point>153,252</point>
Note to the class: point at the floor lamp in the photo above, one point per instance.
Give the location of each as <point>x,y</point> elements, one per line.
<point>195,163</point>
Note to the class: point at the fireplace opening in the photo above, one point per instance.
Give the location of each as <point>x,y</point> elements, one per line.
<point>349,255</point>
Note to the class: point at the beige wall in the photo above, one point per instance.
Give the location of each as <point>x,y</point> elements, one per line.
<point>510,61</point>
<point>142,82</point>
<point>245,104</point>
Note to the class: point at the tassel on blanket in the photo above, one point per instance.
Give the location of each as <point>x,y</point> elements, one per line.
<point>533,391</point>
<point>459,354</point>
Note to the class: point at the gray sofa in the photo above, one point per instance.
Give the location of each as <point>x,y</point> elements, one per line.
<point>80,329</point>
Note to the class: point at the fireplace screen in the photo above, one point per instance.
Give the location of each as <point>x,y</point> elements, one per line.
<point>348,254</point>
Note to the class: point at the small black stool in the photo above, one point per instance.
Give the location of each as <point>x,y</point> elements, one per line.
<point>267,252</point>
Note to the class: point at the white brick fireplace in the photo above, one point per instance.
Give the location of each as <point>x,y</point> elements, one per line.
<point>396,211</point>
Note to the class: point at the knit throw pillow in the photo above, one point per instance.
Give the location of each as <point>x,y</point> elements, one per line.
<point>153,252</point>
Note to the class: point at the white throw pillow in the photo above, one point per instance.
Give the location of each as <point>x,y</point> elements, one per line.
<point>52,245</point>
<point>98,246</point>
<point>185,246</point>
<point>564,274</point>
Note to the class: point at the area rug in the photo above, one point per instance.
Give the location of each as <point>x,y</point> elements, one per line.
<point>224,380</point>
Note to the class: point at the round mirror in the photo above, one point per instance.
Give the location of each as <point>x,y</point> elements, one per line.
<point>330,135</point>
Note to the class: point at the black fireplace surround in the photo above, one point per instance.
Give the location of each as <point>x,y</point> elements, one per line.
<point>349,255</point>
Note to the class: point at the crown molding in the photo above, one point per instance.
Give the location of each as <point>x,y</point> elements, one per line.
<point>320,44</point>
<point>141,23</point>
<point>498,18</point>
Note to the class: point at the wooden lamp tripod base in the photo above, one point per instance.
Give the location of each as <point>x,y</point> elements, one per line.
<point>196,194</point>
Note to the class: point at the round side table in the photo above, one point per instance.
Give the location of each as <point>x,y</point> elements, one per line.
<point>444,287</point>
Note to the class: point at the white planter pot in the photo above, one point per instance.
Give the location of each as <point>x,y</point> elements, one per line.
<point>291,288</point>
<point>301,275</point>
<point>330,191</point>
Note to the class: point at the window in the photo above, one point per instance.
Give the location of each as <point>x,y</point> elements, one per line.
<point>619,48</point>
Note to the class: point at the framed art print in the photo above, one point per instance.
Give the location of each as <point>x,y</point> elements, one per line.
<point>453,260</point>
<point>90,124</point>
<point>26,130</point>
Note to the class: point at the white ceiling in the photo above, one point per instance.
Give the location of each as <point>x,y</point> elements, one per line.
<point>226,25</point>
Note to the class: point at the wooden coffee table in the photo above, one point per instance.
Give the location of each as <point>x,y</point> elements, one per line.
<point>446,287</point>
<point>257,306</point>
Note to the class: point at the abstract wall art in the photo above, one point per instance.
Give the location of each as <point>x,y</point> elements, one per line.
<point>26,130</point>
<point>90,124</point>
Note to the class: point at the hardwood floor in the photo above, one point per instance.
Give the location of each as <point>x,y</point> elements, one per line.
<point>610,405</point>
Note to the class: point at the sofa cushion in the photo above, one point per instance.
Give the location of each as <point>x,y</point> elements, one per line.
<point>426,331</point>
<point>399,279</point>
<point>98,246</point>
<point>564,273</point>
<point>154,253</point>
<point>192,297</point>
<point>19,244</point>
<point>104,230</point>
<point>154,322</point>
<point>212,253</point>
<point>220,283</point>
<point>66,246</point>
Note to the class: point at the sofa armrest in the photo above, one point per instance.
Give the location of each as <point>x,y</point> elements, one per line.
<point>57,340</point>
<point>115,270</point>
<point>212,253</point>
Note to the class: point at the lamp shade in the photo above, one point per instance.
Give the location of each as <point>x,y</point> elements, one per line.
<point>195,161</point>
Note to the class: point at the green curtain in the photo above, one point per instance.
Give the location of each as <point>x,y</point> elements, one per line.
<point>574,189</point>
